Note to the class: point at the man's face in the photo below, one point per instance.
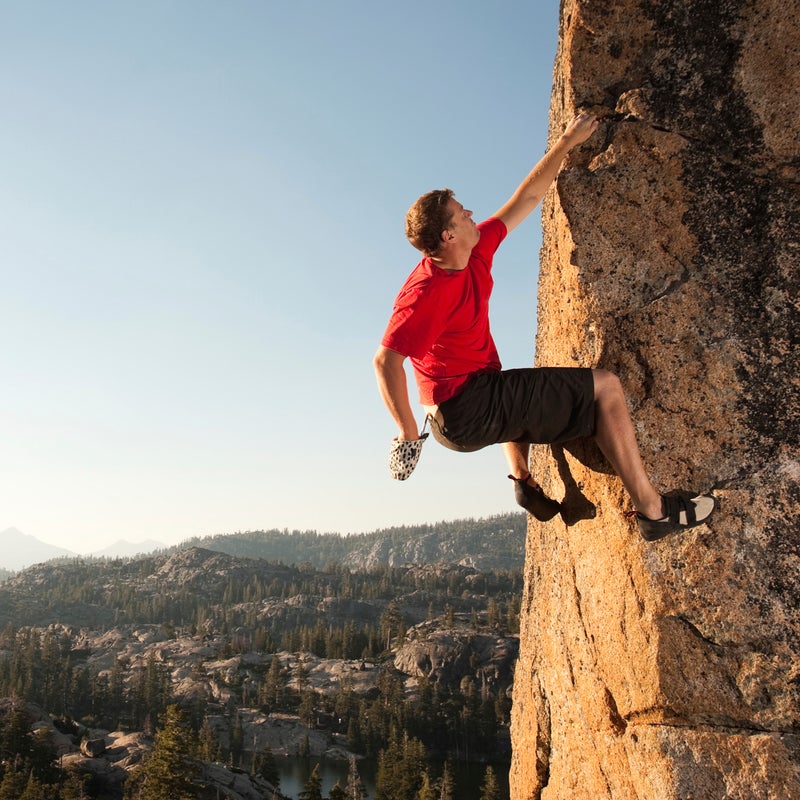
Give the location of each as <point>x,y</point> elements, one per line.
<point>462,225</point>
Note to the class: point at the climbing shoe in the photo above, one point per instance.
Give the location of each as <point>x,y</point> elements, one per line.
<point>534,500</point>
<point>681,512</point>
<point>404,455</point>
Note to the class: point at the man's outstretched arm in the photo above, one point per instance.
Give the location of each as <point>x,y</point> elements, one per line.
<point>391,375</point>
<point>531,191</point>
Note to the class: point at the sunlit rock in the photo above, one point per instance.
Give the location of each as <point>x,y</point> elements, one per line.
<point>671,257</point>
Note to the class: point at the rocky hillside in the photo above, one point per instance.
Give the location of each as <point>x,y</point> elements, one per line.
<point>262,656</point>
<point>181,587</point>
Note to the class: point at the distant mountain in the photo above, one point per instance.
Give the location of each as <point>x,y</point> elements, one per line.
<point>18,550</point>
<point>124,549</point>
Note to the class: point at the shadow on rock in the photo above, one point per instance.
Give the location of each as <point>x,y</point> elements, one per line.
<point>576,506</point>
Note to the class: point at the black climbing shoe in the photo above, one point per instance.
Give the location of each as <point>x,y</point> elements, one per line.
<point>681,512</point>
<point>533,500</point>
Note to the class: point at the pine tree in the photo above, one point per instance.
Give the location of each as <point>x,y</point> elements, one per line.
<point>26,752</point>
<point>400,769</point>
<point>492,613</point>
<point>116,692</point>
<point>355,788</point>
<point>391,622</point>
<point>43,755</point>
<point>272,692</point>
<point>236,739</point>
<point>337,793</point>
<point>36,790</point>
<point>13,784</point>
<point>354,738</point>
<point>313,786</point>
<point>447,788</point>
<point>490,789</point>
<point>301,675</point>
<point>414,765</point>
<point>76,786</point>
<point>426,790</point>
<point>16,737</point>
<point>268,767</point>
<point>168,772</point>
<point>388,769</point>
<point>307,709</point>
<point>150,690</point>
<point>208,746</point>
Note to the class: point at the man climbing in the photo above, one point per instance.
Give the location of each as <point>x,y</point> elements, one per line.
<point>440,321</point>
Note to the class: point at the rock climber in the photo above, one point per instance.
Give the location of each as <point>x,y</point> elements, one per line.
<point>440,322</point>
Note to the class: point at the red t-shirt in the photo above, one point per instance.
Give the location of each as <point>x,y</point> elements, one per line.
<point>440,320</point>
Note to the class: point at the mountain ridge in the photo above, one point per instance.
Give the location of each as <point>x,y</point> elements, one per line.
<point>486,543</point>
<point>19,550</point>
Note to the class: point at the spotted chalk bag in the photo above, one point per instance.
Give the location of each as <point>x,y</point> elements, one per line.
<point>404,455</point>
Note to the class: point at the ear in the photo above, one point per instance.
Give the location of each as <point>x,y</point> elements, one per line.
<point>447,236</point>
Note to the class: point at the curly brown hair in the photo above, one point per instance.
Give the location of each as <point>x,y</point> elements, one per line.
<point>427,218</point>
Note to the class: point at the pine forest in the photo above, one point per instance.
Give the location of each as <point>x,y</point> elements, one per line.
<point>196,672</point>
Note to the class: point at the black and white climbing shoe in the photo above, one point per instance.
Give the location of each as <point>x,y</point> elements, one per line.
<point>404,455</point>
<point>681,512</point>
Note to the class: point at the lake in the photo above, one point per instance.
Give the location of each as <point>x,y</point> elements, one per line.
<point>295,771</point>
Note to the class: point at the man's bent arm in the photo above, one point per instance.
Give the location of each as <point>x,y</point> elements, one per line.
<point>391,375</point>
<point>531,191</point>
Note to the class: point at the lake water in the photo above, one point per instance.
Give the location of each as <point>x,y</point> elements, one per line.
<point>295,771</point>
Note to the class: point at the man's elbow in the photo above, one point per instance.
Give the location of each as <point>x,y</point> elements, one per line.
<point>384,359</point>
<point>379,360</point>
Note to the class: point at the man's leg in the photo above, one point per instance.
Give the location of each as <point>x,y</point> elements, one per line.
<point>517,455</point>
<point>527,491</point>
<point>658,516</point>
<point>614,433</point>
<point>616,437</point>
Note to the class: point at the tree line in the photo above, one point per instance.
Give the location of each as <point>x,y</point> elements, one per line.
<point>404,772</point>
<point>498,540</point>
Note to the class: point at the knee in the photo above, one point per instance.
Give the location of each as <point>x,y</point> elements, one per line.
<point>606,385</point>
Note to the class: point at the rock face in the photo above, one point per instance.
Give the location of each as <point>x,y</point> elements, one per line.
<point>671,257</point>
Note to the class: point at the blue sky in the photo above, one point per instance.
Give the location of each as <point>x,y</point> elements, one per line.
<point>201,235</point>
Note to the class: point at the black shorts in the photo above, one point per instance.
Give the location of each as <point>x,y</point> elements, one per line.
<point>541,405</point>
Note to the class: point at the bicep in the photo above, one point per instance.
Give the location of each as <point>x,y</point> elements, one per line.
<point>515,210</point>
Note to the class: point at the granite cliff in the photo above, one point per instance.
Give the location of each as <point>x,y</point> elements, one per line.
<point>670,257</point>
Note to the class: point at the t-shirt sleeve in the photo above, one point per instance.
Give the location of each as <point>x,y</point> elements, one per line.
<point>493,231</point>
<point>416,321</point>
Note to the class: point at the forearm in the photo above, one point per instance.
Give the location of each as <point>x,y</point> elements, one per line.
<point>393,387</point>
<point>531,191</point>
<point>534,187</point>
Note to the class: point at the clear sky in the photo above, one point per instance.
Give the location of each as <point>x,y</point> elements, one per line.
<point>201,235</point>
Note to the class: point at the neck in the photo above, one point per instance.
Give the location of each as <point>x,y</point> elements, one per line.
<point>452,259</point>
